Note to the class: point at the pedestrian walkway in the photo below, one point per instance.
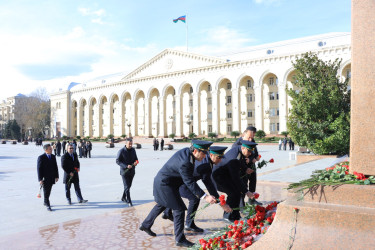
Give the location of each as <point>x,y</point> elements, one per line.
<point>105,222</point>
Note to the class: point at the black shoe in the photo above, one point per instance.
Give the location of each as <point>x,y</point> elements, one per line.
<point>130,204</point>
<point>194,228</point>
<point>69,202</point>
<point>83,201</point>
<point>255,202</point>
<point>228,220</point>
<point>45,204</point>
<point>166,217</point>
<point>184,243</point>
<point>147,230</point>
<point>49,208</point>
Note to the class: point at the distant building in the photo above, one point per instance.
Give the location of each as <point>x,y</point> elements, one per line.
<point>13,108</point>
<point>179,92</point>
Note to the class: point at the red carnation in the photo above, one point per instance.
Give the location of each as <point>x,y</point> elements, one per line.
<point>260,156</point>
<point>39,195</point>
<point>256,195</point>
<point>272,161</point>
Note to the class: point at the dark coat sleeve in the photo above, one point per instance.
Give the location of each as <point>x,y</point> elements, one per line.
<point>56,170</point>
<point>207,180</point>
<point>186,171</point>
<point>234,171</point>
<point>40,168</point>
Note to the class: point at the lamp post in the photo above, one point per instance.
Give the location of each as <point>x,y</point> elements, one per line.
<point>130,134</point>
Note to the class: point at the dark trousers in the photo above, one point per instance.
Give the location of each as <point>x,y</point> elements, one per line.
<point>192,208</point>
<point>58,151</point>
<point>80,152</point>
<point>178,220</point>
<point>233,199</point>
<point>89,153</point>
<point>76,188</point>
<point>127,180</point>
<point>47,187</point>
<point>161,147</point>
<point>63,148</point>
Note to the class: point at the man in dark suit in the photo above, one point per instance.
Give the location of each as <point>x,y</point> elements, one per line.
<point>177,171</point>
<point>58,148</point>
<point>251,178</point>
<point>228,180</point>
<point>71,166</point>
<point>202,171</point>
<point>48,174</point>
<point>63,145</point>
<point>161,144</point>
<point>127,160</point>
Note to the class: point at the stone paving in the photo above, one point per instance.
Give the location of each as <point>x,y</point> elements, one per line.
<point>105,222</point>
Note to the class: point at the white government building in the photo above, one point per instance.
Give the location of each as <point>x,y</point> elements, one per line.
<point>178,92</point>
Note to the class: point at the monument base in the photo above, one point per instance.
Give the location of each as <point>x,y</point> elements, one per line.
<point>330,217</point>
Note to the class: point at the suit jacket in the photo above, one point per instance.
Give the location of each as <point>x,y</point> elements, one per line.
<point>203,171</point>
<point>47,169</point>
<point>124,158</point>
<point>227,172</point>
<point>68,164</point>
<point>176,171</point>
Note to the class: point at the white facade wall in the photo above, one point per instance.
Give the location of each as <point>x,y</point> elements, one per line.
<point>171,93</point>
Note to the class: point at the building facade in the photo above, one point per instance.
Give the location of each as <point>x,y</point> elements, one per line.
<point>14,108</point>
<point>180,93</point>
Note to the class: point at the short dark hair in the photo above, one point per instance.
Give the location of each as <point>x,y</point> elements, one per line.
<point>46,146</point>
<point>128,139</point>
<point>251,128</point>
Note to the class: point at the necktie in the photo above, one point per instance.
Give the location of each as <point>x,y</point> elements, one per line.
<point>49,157</point>
<point>72,156</point>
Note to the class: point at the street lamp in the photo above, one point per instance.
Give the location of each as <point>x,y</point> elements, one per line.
<point>129,124</point>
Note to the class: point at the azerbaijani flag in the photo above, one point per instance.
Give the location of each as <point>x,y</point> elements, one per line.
<point>181,18</point>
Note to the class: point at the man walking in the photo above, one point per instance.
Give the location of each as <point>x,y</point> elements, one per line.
<point>48,174</point>
<point>127,160</point>
<point>58,148</point>
<point>177,171</point>
<point>71,166</point>
<point>161,144</point>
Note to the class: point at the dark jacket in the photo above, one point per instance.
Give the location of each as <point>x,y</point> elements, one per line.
<point>58,145</point>
<point>47,169</point>
<point>68,164</point>
<point>124,158</point>
<point>178,170</point>
<point>227,172</point>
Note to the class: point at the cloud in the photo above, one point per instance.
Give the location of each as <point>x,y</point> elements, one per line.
<point>96,15</point>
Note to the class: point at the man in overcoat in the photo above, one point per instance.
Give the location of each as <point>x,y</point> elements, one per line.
<point>228,180</point>
<point>202,171</point>
<point>127,160</point>
<point>177,171</point>
<point>48,174</point>
<point>250,179</point>
<point>71,166</point>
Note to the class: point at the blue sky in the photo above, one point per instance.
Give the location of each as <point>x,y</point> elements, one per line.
<point>52,43</point>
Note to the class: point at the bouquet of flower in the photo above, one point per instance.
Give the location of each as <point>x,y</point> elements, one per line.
<point>264,163</point>
<point>39,195</point>
<point>221,201</point>
<point>133,165</point>
<point>76,170</point>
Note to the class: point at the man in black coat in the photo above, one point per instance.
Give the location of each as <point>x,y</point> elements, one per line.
<point>202,171</point>
<point>48,174</point>
<point>71,166</point>
<point>63,145</point>
<point>161,144</point>
<point>177,171</point>
<point>127,160</point>
<point>228,180</point>
<point>251,178</point>
<point>58,148</point>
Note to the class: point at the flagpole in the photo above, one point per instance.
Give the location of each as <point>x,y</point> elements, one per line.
<point>187,43</point>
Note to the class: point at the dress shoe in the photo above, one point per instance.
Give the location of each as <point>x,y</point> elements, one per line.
<point>228,220</point>
<point>255,202</point>
<point>166,217</point>
<point>147,230</point>
<point>83,201</point>
<point>69,202</point>
<point>184,243</point>
<point>194,228</point>
<point>49,208</point>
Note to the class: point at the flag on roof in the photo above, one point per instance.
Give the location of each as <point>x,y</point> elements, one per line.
<point>181,18</point>
<point>72,84</point>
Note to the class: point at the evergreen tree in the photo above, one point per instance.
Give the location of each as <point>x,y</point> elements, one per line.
<point>320,114</point>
